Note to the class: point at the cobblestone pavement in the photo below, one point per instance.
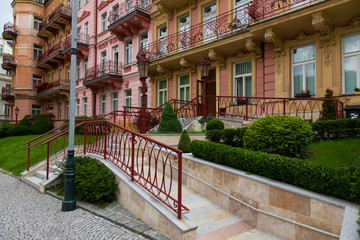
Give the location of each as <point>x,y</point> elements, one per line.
<point>28,214</point>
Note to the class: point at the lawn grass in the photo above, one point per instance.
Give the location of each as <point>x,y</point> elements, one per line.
<point>334,153</point>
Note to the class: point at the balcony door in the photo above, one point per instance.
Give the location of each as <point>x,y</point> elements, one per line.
<point>183,26</point>
<point>116,59</point>
<point>162,34</point>
<point>209,27</point>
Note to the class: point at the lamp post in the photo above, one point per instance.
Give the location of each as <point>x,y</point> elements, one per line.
<point>143,67</point>
<point>204,69</point>
<point>16,114</point>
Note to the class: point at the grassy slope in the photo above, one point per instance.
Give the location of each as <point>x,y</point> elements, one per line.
<point>335,153</point>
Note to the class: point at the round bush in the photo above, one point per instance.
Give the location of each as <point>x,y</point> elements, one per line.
<point>184,142</point>
<point>215,124</point>
<point>169,122</point>
<point>41,125</point>
<point>18,130</point>
<point>25,122</point>
<point>283,135</point>
<point>4,130</point>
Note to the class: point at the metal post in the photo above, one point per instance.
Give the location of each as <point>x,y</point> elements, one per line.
<point>85,135</point>
<point>205,100</point>
<point>28,166</point>
<point>179,186</point>
<point>47,161</point>
<point>132,156</point>
<point>69,202</point>
<point>284,107</point>
<point>105,140</point>
<point>143,108</point>
<point>336,109</point>
<point>246,106</point>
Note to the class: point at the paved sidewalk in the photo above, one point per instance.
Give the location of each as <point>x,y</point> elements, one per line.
<point>28,214</point>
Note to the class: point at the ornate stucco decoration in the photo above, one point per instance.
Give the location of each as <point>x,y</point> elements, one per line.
<point>321,23</point>
<point>164,11</point>
<point>271,36</point>
<point>355,22</point>
<point>160,69</point>
<point>252,46</point>
<point>278,55</point>
<point>326,44</point>
<point>215,56</point>
<point>187,64</point>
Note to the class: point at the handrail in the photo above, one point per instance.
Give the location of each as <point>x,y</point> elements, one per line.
<point>51,131</point>
<point>127,7</point>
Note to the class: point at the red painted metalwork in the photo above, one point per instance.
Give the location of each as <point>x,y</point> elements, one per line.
<point>82,38</point>
<point>56,49</point>
<point>127,7</point>
<point>9,27</point>
<point>262,9</point>
<point>57,12</point>
<point>108,67</point>
<point>223,25</point>
<point>6,91</point>
<point>9,59</point>
<point>58,85</point>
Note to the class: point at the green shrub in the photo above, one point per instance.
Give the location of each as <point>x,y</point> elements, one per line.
<point>328,111</point>
<point>358,222</point>
<point>169,122</point>
<point>340,182</point>
<point>80,130</point>
<point>215,124</point>
<point>41,125</point>
<point>25,122</point>
<point>335,129</point>
<point>4,130</point>
<point>231,137</point>
<point>184,142</point>
<point>284,135</point>
<point>19,130</point>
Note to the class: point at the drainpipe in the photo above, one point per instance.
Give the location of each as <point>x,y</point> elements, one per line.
<point>96,28</point>
<point>263,63</point>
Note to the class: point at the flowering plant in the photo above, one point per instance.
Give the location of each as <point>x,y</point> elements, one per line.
<point>41,85</point>
<point>303,94</point>
<point>356,89</point>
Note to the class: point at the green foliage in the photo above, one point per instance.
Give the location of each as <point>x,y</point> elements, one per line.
<point>4,130</point>
<point>215,124</point>
<point>336,129</point>
<point>328,111</point>
<point>25,122</point>
<point>41,125</point>
<point>169,122</point>
<point>358,222</point>
<point>19,130</point>
<point>231,137</point>
<point>184,142</point>
<point>80,130</point>
<point>284,135</point>
<point>338,182</point>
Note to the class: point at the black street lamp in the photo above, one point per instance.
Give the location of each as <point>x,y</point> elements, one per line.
<point>143,63</point>
<point>17,110</point>
<point>204,69</point>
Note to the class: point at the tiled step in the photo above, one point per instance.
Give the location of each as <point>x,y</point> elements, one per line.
<point>33,181</point>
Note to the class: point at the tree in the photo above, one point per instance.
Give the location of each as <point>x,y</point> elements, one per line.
<point>169,122</point>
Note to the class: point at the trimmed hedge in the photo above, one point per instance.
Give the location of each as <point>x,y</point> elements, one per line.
<point>336,129</point>
<point>41,125</point>
<point>169,122</point>
<point>283,135</point>
<point>4,130</point>
<point>184,142</point>
<point>341,183</point>
<point>25,122</point>
<point>231,137</point>
<point>215,124</point>
<point>18,130</point>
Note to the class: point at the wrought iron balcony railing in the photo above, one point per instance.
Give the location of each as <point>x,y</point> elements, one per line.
<point>51,51</point>
<point>9,62</point>
<point>108,67</point>
<point>82,38</point>
<point>127,7</point>
<point>58,11</point>
<point>9,32</point>
<point>221,26</point>
<point>6,91</point>
<point>50,87</point>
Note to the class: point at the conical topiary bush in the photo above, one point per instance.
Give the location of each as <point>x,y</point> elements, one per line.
<point>184,142</point>
<point>169,122</point>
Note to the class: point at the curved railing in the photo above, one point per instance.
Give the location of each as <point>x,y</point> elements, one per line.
<point>59,10</point>
<point>9,27</point>
<point>108,67</point>
<point>127,7</point>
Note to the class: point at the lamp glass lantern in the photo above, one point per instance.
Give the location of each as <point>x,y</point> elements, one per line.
<point>17,111</point>
<point>143,64</point>
<point>204,68</point>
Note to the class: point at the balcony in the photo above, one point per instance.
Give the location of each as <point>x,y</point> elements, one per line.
<point>53,89</point>
<point>56,21</point>
<point>104,74</point>
<point>9,62</point>
<point>131,17</point>
<point>82,46</point>
<point>51,58</point>
<point>7,93</point>
<point>221,26</point>
<point>9,32</point>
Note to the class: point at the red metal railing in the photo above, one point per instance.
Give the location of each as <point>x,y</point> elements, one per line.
<point>221,26</point>
<point>81,38</point>
<point>9,58</point>
<point>262,9</point>
<point>6,91</point>
<point>60,84</point>
<point>127,7</point>
<point>48,54</point>
<point>249,108</point>
<point>59,10</point>
<point>108,67</point>
<point>9,27</point>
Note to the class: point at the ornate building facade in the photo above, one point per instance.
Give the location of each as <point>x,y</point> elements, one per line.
<point>5,79</point>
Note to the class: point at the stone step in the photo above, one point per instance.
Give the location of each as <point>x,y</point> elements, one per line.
<point>42,174</point>
<point>33,181</point>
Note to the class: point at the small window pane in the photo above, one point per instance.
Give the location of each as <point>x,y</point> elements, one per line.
<point>350,74</point>
<point>352,44</point>
<point>304,54</point>
<point>298,76</point>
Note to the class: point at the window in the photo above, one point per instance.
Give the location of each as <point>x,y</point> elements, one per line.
<point>85,67</point>
<point>8,72</point>
<point>162,92</point>
<point>240,7</point>
<point>103,104</point>
<point>143,40</point>
<point>7,109</point>
<point>128,53</point>
<point>104,22</point>
<point>128,99</point>
<point>59,109</point>
<point>209,12</point>
<point>35,109</point>
<point>183,25</point>
<point>351,63</point>
<point>243,79</point>
<point>67,110</point>
<point>162,33</point>
<point>114,101</point>
<point>77,70</point>
<point>37,51</point>
<point>77,107</point>
<point>85,106</point>
<point>67,73</point>
<point>184,88</point>
<point>140,96</point>
<point>37,22</point>
<point>79,4</point>
<point>86,1</point>
<point>86,27</point>
<point>69,3</point>
<point>129,5</point>
<point>60,75</point>
<point>303,69</point>
<point>115,51</point>
<point>36,80</point>
<point>1,49</point>
<point>103,62</point>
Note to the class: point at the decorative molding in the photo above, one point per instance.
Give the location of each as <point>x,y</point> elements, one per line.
<point>83,16</point>
<point>326,44</point>
<point>164,11</point>
<point>321,24</point>
<point>84,93</point>
<point>113,40</point>
<point>355,22</point>
<point>278,56</point>
<point>103,4</point>
<point>215,56</point>
<point>186,64</point>
<point>271,36</point>
<point>160,69</point>
<point>251,46</point>
<point>301,35</point>
<point>103,45</point>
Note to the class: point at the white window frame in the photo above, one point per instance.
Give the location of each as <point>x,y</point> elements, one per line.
<point>85,106</point>
<point>67,110</point>
<point>77,107</point>
<point>304,87</point>
<point>85,66</point>
<point>77,70</point>
<point>38,50</point>
<point>104,26</point>
<point>352,54</point>
<point>114,101</point>
<point>127,98</point>
<point>67,69</point>
<point>144,40</point>
<point>183,28</point>
<point>59,111</point>
<point>86,29</point>
<point>243,76</point>
<point>164,90</point>
<point>162,38</point>
<point>36,79</point>
<point>6,109</point>
<point>185,86</point>
<point>103,104</point>
<point>35,109</point>
<point>128,51</point>
<point>37,22</point>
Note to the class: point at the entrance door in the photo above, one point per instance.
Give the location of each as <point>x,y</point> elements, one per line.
<point>211,93</point>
